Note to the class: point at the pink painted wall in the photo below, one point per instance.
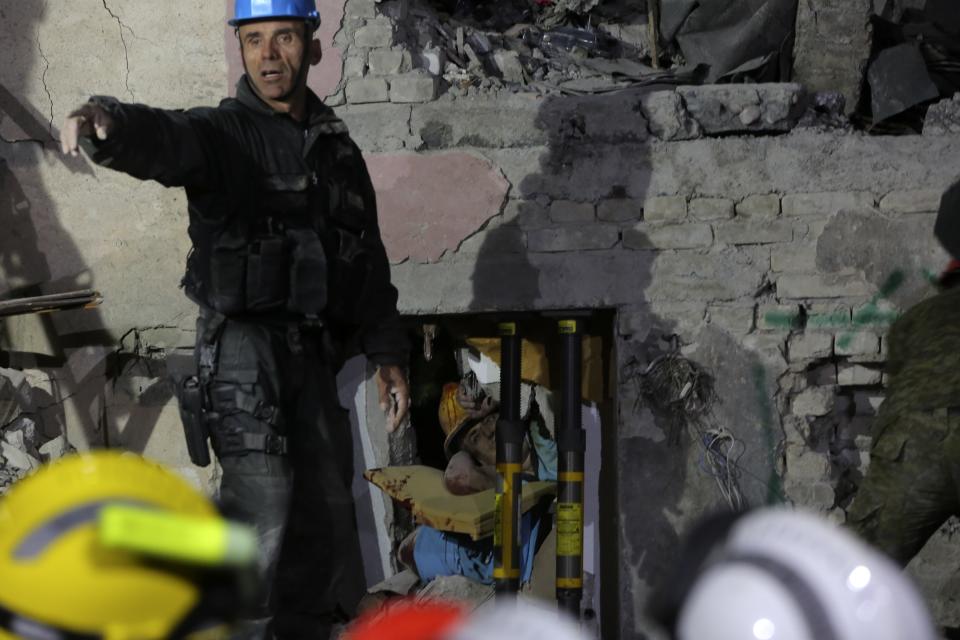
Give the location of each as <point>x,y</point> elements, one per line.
<point>325,77</point>
<point>429,204</point>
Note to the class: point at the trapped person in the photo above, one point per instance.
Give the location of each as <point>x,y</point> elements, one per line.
<point>291,276</point>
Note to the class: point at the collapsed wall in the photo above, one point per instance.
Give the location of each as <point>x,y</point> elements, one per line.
<point>729,225</point>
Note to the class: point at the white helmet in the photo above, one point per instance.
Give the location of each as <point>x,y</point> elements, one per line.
<point>789,575</point>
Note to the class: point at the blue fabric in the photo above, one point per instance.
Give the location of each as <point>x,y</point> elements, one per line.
<point>264,9</point>
<point>437,553</point>
<point>546,451</point>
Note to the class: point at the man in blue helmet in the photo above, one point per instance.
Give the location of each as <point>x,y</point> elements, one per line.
<point>290,275</point>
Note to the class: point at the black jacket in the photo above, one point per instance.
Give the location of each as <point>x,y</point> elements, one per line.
<point>243,160</point>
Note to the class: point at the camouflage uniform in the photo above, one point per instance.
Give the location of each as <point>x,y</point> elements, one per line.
<point>913,483</point>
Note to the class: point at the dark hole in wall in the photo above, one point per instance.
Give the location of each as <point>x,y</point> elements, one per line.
<point>427,379</point>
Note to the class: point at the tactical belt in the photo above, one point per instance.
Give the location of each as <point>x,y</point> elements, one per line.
<point>234,443</point>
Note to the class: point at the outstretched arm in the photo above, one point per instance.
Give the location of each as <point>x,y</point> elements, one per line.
<point>176,148</point>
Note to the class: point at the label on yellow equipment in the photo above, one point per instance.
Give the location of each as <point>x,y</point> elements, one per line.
<point>569,529</point>
<point>567,327</point>
<point>507,328</point>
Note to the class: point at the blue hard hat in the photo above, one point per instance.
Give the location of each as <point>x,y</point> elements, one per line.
<point>249,10</point>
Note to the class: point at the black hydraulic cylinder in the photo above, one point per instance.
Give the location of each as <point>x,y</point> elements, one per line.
<point>571,444</point>
<point>510,432</point>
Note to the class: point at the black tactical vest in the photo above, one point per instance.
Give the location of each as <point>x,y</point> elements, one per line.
<point>288,242</point>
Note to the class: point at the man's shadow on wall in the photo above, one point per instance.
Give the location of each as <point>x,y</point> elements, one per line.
<point>517,270</point>
<point>38,256</point>
<point>599,150</point>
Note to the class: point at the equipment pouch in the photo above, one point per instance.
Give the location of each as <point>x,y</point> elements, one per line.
<point>193,416</point>
<point>308,273</point>
<point>267,273</point>
<point>228,274</point>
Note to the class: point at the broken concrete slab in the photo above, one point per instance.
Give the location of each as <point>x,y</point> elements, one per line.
<point>720,109</point>
<point>833,41</point>
<point>899,80</point>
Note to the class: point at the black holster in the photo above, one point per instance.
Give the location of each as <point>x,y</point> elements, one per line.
<point>194,417</point>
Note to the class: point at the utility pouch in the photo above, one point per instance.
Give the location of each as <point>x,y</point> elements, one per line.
<point>308,273</point>
<point>193,416</point>
<point>228,277</point>
<point>267,273</point>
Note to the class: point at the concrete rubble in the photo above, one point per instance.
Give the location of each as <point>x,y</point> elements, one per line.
<point>25,444</point>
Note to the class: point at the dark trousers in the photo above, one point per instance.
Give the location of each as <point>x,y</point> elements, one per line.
<point>300,503</point>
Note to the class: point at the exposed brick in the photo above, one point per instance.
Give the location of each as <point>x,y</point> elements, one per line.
<point>528,214</point>
<point>376,33</point>
<point>856,375</point>
<point>754,232</point>
<point>875,314</point>
<point>362,90</point>
<point>662,208</point>
<point>801,285</point>
<point>413,87</point>
<point>673,236</point>
<point>579,238</point>
<point>858,343</point>
<point>355,66</point>
<point>828,316</point>
<point>711,208</point>
<point>819,496</point>
<point>735,320</point>
<point>362,9</point>
<point>799,259</point>
<point>778,317</point>
<point>815,401</point>
<point>385,62</point>
<point>619,210</point>
<point>571,211</point>
<point>802,204</point>
<point>914,201</point>
<point>810,345</point>
<point>759,206</point>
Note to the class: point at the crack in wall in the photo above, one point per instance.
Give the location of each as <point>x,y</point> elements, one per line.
<point>123,41</point>
<point>43,79</point>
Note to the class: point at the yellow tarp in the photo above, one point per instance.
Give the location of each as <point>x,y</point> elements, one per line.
<point>421,490</point>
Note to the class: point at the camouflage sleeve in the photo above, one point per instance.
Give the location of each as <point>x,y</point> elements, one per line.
<point>897,348</point>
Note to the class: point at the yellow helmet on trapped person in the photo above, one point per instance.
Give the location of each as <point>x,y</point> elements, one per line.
<point>110,545</point>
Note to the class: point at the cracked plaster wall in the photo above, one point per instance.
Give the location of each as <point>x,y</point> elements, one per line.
<point>776,259</point>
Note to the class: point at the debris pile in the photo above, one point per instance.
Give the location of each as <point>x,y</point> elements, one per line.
<point>915,63</point>
<point>573,47</point>
<point>23,444</point>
